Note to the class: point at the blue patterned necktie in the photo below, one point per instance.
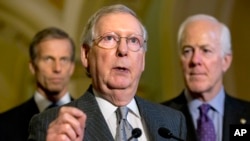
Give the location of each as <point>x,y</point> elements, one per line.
<point>124,128</point>
<point>205,126</point>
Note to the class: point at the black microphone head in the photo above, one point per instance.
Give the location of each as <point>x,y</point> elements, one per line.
<point>136,132</point>
<point>164,132</point>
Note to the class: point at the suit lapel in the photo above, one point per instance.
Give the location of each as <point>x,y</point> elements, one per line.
<point>181,105</point>
<point>238,110</point>
<point>152,118</point>
<point>97,128</point>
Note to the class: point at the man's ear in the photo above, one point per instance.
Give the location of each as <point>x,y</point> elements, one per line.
<point>32,68</point>
<point>72,69</point>
<point>84,55</point>
<point>227,60</point>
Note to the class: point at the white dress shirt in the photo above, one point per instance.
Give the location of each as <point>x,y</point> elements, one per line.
<point>109,112</point>
<point>42,102</point>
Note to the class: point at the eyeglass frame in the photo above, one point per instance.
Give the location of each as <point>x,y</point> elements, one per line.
<point>101,37</point>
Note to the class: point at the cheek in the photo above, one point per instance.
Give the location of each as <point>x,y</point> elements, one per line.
<point>40,70</point>
<point>68,73</point>
<point>43,72</point>
<point>184,65</point>
<point>215,65</point>
<point>139,62</point>
<point>40,77</point>
<point>217,69</point>
<point>98,62</point>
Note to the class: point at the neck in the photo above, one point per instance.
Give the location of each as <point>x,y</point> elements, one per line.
<point>53,96</point>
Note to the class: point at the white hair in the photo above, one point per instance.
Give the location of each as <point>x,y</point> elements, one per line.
<point>89,31</point>
<point>225,37</point>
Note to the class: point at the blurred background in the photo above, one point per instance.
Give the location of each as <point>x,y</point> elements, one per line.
<point>162,78</point>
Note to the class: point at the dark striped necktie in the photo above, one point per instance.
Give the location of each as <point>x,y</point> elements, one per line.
<point>51,106</point>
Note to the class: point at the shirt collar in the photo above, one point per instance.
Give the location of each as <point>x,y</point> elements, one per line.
<point>217,102</point>
<point>108,108</point>
<point>43,103</point>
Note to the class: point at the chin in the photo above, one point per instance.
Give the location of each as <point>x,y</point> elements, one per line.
<point>197,88</point>
<point>118,86</point>
<point>119,83</point>
<point>55,91</point>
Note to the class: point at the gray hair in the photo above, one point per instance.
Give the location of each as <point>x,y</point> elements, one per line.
<point>225,37</point>
<point>89,31</point>
<point>50,33</point>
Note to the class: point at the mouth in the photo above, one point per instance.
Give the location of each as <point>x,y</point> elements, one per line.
<point>197,76</point>
<point>56,80</point>
<point>196,73</point>
<point>121,69</point>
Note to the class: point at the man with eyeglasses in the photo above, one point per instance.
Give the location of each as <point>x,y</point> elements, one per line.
<point>113,53</point>
<point>111,40</point>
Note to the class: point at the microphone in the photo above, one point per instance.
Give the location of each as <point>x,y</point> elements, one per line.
<point>166,133</point>
<point>136,133</point>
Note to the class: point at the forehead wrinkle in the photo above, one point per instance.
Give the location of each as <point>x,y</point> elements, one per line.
<point>121,28</point>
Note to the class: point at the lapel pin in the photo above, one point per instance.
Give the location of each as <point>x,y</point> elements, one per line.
<point>243,121</point>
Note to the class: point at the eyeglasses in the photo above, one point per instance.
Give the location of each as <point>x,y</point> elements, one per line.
<point>111,40</point>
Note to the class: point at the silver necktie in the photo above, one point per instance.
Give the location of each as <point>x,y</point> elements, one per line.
<point>124,128</point>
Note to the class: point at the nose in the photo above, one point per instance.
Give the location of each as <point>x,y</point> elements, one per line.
<point>196,58</point>
<point>57,67</point>
<point>122,48</point>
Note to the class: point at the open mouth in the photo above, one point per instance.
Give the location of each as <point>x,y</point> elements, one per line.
<point>123,69</point>
<point>197,73</point>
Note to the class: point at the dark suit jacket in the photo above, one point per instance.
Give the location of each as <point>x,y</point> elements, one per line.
<point>14,123</point>
<point>154,115</point>
<point>234,111</point>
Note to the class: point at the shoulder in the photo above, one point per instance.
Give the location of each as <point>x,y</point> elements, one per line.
<point>49,115</point>
<point>158,109</point>
<point>25,108</point>
<point>176,102</point>
<point>239,108</point>
<point>15,121</point>
<point>157,115</point>
<point>230,100</point>
<point>232,103</point>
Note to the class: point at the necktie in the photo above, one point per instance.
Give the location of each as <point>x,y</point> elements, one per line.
<point>51,106</point>
<point>124,128</point>
<point>205,126</point>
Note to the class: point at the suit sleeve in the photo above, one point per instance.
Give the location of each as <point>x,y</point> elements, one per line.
<point>37,129</point>
<point>39,124</point>
<point>183,127</point>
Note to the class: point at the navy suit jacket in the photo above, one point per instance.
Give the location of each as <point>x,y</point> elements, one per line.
<point>14,123</point>
<point>234,111</point>
<point>154,116</point>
